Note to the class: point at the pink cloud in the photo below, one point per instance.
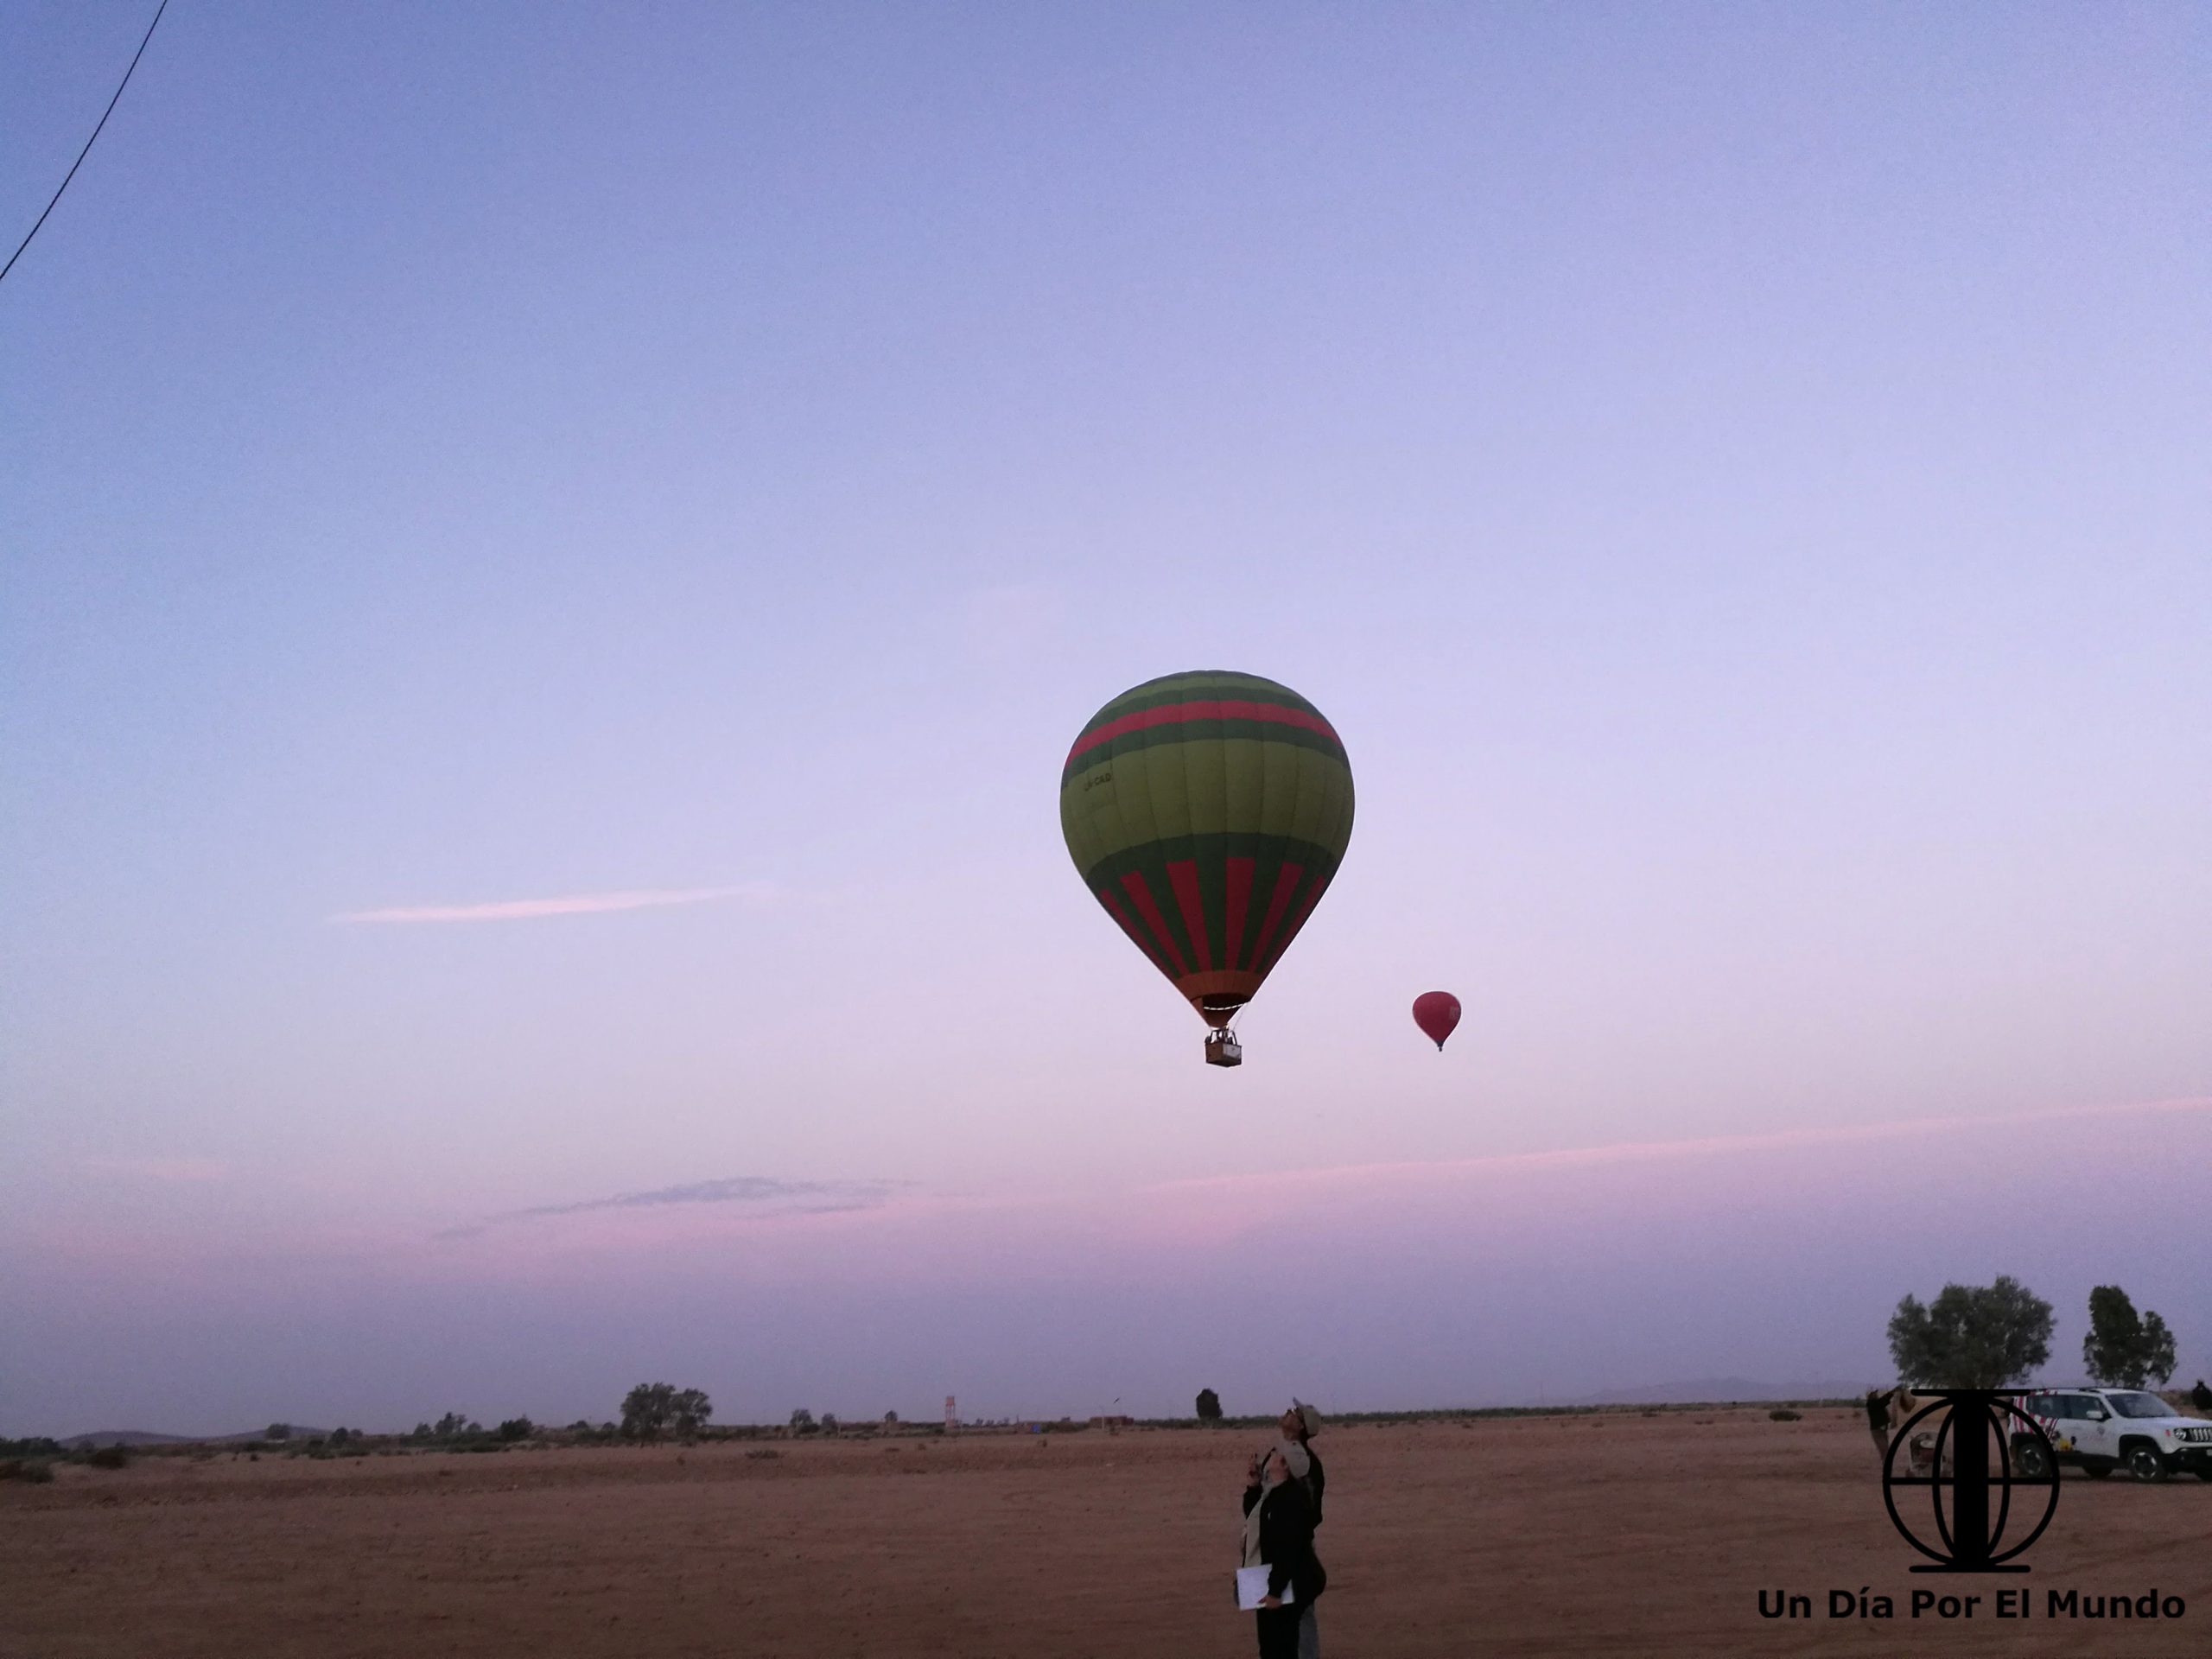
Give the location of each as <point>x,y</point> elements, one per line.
<point>581,903</point>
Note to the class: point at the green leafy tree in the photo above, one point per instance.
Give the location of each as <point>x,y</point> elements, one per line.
<point>1209,1406</point>
<point>2123,1349</point>
<point>278,1432</point>
<point>802,1421</point>
<point>451,1426</point>
<point>1971,1336</point>
<point>340,1436</point>
<point>829,1422</point>
<point>516,1428</point>
<point>647,1410</point>
<point>890,1419</point>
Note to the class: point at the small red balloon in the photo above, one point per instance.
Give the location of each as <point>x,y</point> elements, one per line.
<point>1436,1013</point>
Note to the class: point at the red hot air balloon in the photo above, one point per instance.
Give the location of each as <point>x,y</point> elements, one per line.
<point>1437,1012</point>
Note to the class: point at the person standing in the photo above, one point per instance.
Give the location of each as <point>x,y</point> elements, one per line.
<point>1299,1425</point>
<point>1878,1418</point>
<point>1279,1536</point>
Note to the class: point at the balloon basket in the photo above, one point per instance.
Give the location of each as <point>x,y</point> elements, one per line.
<point>1223,1049</point>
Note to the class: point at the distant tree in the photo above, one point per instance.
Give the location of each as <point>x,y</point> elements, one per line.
<point>829,1422</point>
<point>802,1421</point>
<point>1971,1336</point>
<point>422,1431</point>
<point>278,1432</point>
<point>516,1428</point>
<point>1209,1406</point>
<point>891,1417</point>
<point>340,1436</point>
<point>2200,1396</point>
<point>691,1409</point>
<point>646,1410</point>
<point>451,1426</point>
<point>2123,1349</point>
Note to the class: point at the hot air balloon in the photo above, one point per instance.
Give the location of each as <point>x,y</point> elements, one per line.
<point>1437,1012</point>
<point>1207,813</point>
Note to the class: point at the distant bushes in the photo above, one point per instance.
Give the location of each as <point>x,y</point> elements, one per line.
<point>1783,1415</point>
<point>35,1472</point>
<point>108,1456</point>
<point>652,1409</point>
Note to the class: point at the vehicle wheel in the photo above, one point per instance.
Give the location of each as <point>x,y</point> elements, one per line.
<point>2096,1471</point>
<point>2144,1463</point>
<point>2030,1463</point>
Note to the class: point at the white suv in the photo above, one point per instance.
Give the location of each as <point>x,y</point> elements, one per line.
<point>2103,1429</point>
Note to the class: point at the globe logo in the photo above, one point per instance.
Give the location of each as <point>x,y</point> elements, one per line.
<point>1969,1492</point>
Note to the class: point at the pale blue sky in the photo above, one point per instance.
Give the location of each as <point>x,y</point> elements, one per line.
<point>1735,476</point>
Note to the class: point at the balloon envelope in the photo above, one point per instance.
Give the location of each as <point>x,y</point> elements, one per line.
<point>1207,813</point>
<point>1437,1012</point>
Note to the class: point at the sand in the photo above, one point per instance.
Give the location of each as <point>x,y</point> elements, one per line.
<point>1618,1534</point>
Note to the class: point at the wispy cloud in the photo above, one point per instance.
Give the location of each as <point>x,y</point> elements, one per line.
<point>161,1169</point>
<point>574,903</point>
<point>764,1194</point>
<point>1705,1145</point>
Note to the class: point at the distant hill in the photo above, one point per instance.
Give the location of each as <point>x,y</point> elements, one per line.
<point>1705,1388</point>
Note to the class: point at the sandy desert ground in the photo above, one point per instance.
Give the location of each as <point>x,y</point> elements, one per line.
<point>1613,1533</point>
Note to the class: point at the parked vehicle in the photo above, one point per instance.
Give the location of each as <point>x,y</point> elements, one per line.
<point>2100,1430</point>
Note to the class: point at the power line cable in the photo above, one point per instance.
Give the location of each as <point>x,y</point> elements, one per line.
<point>87,149</point>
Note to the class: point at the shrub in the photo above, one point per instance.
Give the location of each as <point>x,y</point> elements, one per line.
<point>35,1472</point>
<point>109,1457</point>
<point>764,1452</point>
<point>1783,1415</point>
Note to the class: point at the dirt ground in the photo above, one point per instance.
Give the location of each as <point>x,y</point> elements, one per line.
<point>1615,1534</point>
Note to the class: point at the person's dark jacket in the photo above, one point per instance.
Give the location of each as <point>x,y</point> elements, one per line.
<point>1314,1481</point>
<point>1286,1541</point>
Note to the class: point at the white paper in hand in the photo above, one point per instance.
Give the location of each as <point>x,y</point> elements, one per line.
<point>1251,1585</point>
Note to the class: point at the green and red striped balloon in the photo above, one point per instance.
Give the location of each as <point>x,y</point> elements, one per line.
<point>1207,812</point>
